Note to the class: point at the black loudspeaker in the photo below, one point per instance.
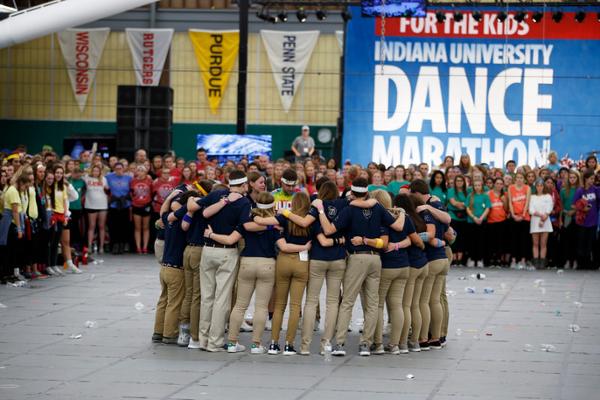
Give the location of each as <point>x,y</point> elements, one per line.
<point>144,119</point>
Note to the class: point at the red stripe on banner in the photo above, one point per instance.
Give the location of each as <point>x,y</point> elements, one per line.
<point>490,27</point>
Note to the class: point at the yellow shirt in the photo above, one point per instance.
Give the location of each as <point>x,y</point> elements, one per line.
<point>12,197</point>
<point>31,209</point>
<point>59,201</point>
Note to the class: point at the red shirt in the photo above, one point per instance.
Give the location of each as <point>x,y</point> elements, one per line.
<point>161,189</point>
<point>497,211</point>
<point>141,191</point>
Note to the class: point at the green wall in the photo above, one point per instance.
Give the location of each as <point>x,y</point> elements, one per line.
<point>35,134</point>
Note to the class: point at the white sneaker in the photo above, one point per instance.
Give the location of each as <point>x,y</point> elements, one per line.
<point>235,348</point>
<point>57,271</point>
<point>470,263</point>
<point>480,264</point>
<point>18,275</point>
<point>184,335</point>
<point>257,349</point>
<point>50,271</point>
<point>194,344</point>
<point>72,268</point>
<point>245,327</point>
<point>379,349</point>
<point>513,265</point>
<point>268,325</point>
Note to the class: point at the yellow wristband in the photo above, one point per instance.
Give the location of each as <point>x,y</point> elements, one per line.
<point>378,243</point>
<point>286,213</point>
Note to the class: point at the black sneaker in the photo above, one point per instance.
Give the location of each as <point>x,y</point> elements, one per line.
<point>424,346</point>
<point>157,338</point>
<point>274,349</point>
<point>169,340</point>
<point>364,350</point>
<point>288,350</point>
<point>339,350</point>
<point>443,341</point>
<point>435,344</point>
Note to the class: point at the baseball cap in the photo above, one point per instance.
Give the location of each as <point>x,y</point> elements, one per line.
<point>305,128</point>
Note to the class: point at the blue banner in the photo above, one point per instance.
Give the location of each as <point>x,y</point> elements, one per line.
<point>418,89</point>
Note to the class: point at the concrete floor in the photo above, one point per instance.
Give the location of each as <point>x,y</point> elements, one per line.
<point>494,345</point>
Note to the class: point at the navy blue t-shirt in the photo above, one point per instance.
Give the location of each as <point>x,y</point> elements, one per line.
<point>317,252</point>
<point>229,217</point>
<point>398,258</point>
<point>371,223</point>
<point>435,253</point>
<point>300,240</point>
<point>259,244</point>
<point>417,258</point>
<point>175,239</point>
<point>195,233</point>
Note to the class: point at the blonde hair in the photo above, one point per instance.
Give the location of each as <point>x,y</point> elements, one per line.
<point>264,198</point>
<point>300,206</point>
<point>385,200</point>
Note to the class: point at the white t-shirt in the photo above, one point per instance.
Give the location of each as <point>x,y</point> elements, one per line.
<point>95,197</point>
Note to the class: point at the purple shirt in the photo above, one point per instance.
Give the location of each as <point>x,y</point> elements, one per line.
<point>592,195</point>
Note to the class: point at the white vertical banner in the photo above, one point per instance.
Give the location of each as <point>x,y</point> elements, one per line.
<point>82,49</point>
<point>339,35</point>
<point>289,54</point>
<point>149,49</point>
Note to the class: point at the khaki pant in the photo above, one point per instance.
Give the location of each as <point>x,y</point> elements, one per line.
<point>444,298</point>
<point>407,301</point>
<point>291,276</point>
<point>217,276</point>
<point>415,309</point>
<point>391,291</point>
<point>255,274</point>
<point>169,302</point>
<point>431,309</point>
<point>333,273</point>
<point>361,269</point>
<point>190,309</point>
<point>159,248</point>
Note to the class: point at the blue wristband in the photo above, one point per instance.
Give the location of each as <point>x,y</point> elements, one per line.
<point>187,218</point>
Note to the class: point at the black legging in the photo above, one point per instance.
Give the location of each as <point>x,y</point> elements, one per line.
<point>495,246</point>
<point>521,240</point>
<point>459,245</point>
<point>118,225</point>
<point>76,226</point>
<point>586,238</point>
<point>568,243</point>
<point>53,241</point>
<point>477,241</point>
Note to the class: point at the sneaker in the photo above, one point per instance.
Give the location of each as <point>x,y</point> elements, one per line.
<point>274,349</point>
<point>394,350</point>
<point>402,349</point>
<point>157,338</point>
<point>50,271</point>
<point>424,346</point>
<point>268,325</point>
<point>364,350</point>
<point>194,344</point>
<point>57,271</point>
<point>184,339</point>
<point>235,348</point>
<point>443,341</point>
<point>470,264</point>
<point>304,352</point>
<point>245,327</point>
<point>435,344</point>
<point>19,276</point>
<point>216,349</point>
<point>479,264</point>
<point>257,349</point>
<point>378,349</point>
<point>338,350</point>
<point>72,268</point>
<point>169,340</point>
<point>414,347</point>
<point>288,350</point>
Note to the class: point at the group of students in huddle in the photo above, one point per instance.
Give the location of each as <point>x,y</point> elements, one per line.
<point>221,245</point>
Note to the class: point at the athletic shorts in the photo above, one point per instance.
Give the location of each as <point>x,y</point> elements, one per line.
<point>142,211</point>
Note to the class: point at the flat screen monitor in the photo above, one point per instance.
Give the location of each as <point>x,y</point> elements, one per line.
<point>234,147</point>
<point>393,8</point>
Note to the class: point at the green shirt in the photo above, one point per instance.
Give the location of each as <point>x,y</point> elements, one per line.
<point>456,213</point>
<point>440,194</point>
<point>394,186</point>
<point>371,188</point>
<point>567,198</point>
<point>481,202</point>
<point>78,185</point>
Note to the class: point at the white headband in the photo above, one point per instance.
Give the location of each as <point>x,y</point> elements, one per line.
<point>239,181</point>
<point>265,206</point>
<point>287,182</point>
<point>359,189</point>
